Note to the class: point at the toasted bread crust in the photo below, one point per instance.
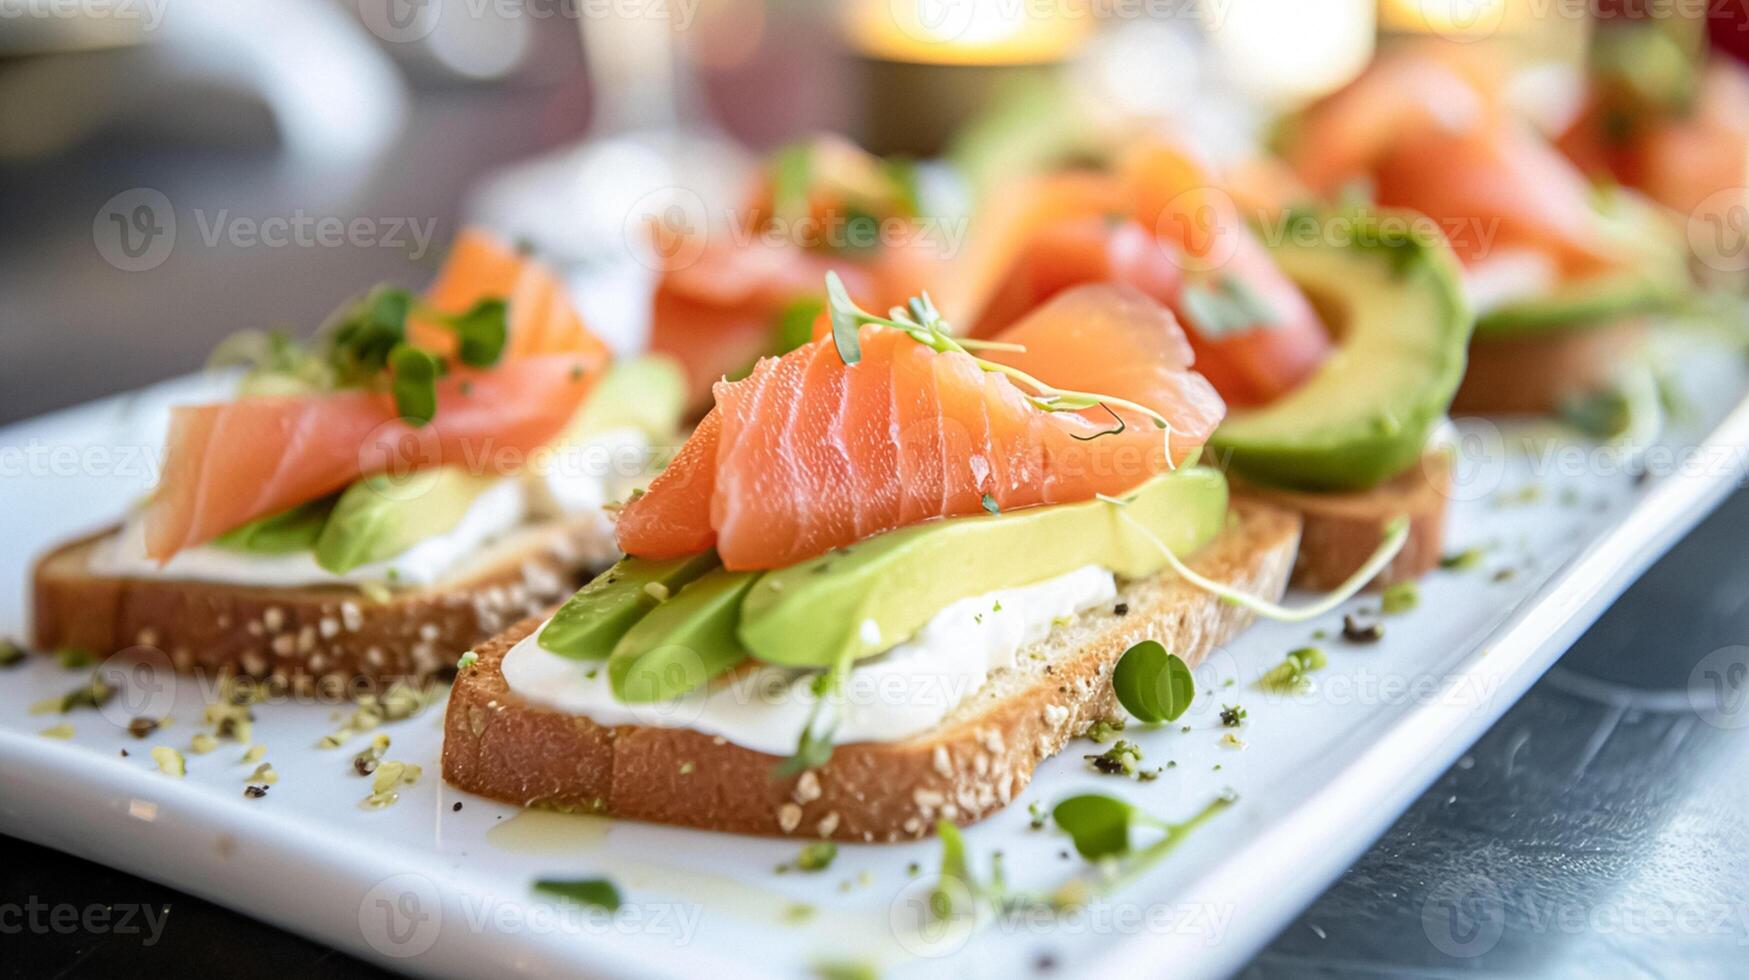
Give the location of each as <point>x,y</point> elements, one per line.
<point>1539,372</point>
<point>1342,530</point>
<point>504,747</point>
<point>310,636</point>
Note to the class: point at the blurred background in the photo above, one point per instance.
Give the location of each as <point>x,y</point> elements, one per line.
<point>175,170</point>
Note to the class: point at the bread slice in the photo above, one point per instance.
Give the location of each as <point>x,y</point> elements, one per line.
<point>1538,372</point>
<point>313,636</point>
<point>498,745</point>
<point>1343,530</point>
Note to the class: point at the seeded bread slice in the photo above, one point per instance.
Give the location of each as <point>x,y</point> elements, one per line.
<point>313,636</point>
<point>1342,530</point>
<point>501,746</point>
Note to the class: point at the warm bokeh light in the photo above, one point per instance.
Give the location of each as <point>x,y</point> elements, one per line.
<point>1289,51</point>
<point>968,32</point>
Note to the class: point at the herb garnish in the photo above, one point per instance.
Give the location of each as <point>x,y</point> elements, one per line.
<point>991,505</point>
<point>1399,597</point>
<point>1292,671</point>
<point>923,323</point>
<point>11,654</point>
<point>1465,559</point>
<point>1153,684</point>
<point>1122,759</point>
<point>414,374</point>
<point>814,747</point>
<point>1354,631</point>
<point>1233,715</point>
<point>1100,827</point>
<point>593,892</point>
<point>817,856</point>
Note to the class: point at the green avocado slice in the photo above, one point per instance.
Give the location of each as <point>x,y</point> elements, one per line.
<point>873,594</point>
<point>382,516</point>
<point>1658,283</point>
<point>1393,296</point>
<point>592,622</point>
<point>683,642</point>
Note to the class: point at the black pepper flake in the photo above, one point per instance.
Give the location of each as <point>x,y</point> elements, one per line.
<point>1121,609</point>
<point>1045,963</point>
<point>457,808</point>
<point>124,753</point>
<point>255,792</point>
<point>1356,632</point>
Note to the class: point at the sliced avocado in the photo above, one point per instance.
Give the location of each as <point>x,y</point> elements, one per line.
<point>876,593</point>
<point>683,642</point>
<point>1658,283</point>
<point>382,516</point>
<point>287,532</point>
<point>1394,298</point>
<point>646,393</point>
<point>589,625</point>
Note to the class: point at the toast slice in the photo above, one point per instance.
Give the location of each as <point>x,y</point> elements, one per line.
<point>982,755</point>
<point>314,636</point>
<point>1342,530</point>
<point>1538,372</point>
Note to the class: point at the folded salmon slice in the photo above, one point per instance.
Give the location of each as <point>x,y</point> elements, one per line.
<point>233,462</point>
<point>808,454</point>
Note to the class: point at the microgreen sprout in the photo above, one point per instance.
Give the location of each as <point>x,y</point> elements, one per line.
<point>922,322</point>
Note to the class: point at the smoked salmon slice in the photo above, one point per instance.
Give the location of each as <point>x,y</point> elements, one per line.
<point>233,462</point>
<point>1174,230</point>
<point>807,453</point>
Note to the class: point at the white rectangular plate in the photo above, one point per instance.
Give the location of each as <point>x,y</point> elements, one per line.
<point>424,887</point>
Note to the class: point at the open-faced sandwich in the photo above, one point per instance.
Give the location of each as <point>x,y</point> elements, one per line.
<point>730,296</point>
<point>1337,337</point>
<point>429,470</point>
<point>889,574</point>
<point>1562,274</point>
<point>1663,117</point>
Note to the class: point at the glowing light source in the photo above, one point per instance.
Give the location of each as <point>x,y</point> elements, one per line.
<point>1286,51</point>
<point>968,32</point>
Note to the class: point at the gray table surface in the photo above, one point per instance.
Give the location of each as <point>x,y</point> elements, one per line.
<point>1599,829</point>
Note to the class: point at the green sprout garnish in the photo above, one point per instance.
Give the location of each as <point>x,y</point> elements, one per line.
<point>1399,597</point>
<point>1100,827</point>
<point>922,322</point>
<point>1292,671</point>
<point>591,892</point>
<point>1152,684</point>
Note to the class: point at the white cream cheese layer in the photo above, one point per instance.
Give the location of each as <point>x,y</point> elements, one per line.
<point>497,511</point>
<point>1508,276</point>
<point>904,691</point>
<point>568,482</point>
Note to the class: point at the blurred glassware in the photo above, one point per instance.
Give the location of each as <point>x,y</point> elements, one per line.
<point>653,154</point>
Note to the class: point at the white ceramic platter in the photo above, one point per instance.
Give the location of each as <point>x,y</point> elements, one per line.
<point>426,888</point>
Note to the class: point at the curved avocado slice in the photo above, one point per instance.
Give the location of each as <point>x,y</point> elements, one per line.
<point>1394,298</point>
<point>287,532</point>
<point>592,622</point>
<point>873,594</point>
<point>683,642</point>
<point>382,516</point>
<point>646,393</point>
<point>1658,283</point>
